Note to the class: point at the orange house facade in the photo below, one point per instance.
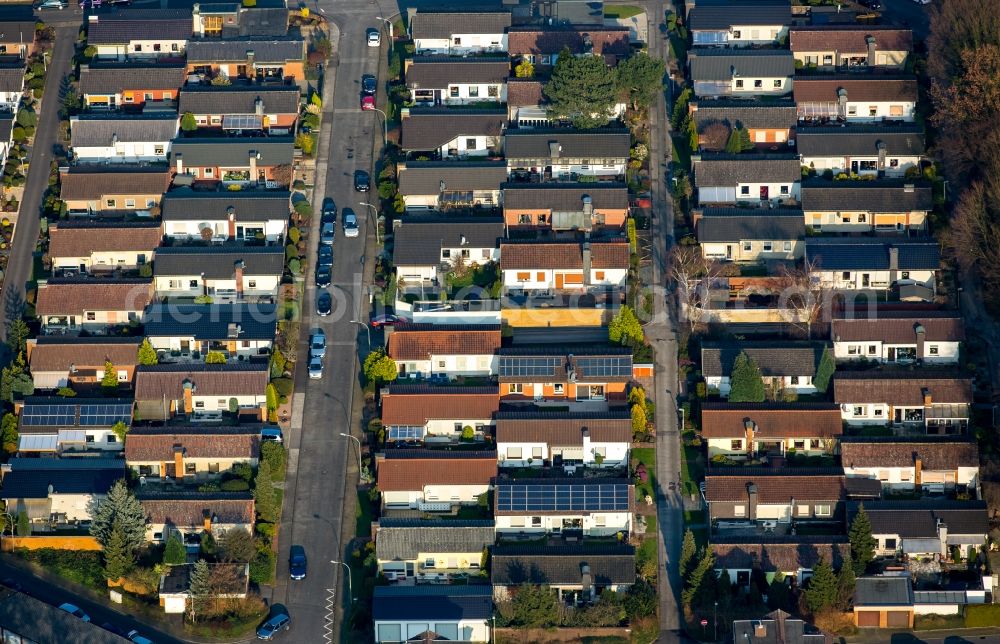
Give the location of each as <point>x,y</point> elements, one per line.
<point>588,379</point>
<point>565,206</point>
<point>248,58</point>
<point>122,85</point>
<point>769,123</point>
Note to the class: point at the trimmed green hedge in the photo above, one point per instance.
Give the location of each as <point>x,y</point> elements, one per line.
<point>979,615</point>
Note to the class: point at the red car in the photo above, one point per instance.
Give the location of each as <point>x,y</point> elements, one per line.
<point>367,102</point>
<point>380,321</point>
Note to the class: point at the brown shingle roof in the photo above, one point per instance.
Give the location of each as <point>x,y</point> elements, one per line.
<point>159,445</point>
<point>115,78</point>
<point>152,383</point>
<point>56,353</point>
<point>85,238</point>
<point>523,92</point>
<point>939,326</point>
<point>428,72</point>
<point>405,405</point>
<point>430,128</point>
<point>849,39</point>
<point>193,511</point>
<point>933,454</point>
<point>529,256</point>
<point>866,88</point>
<point>414,470</point>
<point>720,420</point>
<point>92,185</point>
<point>773,487</point>
<point>563,430</point>
<point>603,41</point>
<point>422,343</point>
<point>613,255</point>
<point>789,555</point>
<point>73,297</point>
<point>900,388</point>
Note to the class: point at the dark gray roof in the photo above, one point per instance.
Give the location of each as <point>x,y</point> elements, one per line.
<point>883,591</point>
<point>918,519</point>
<point>104,130</point>
<point>418,241</point>
<point>265,50</point>
<point>768,225</point>
<point>405,539</point>
<point>426,177</point>
<point>429,24</point>
<point>237,99</point>
<point>562,565</point>
<point>731,169</point>
<point>432,603</point>
<point>113,78</point>
<point>866,196</point>
<point>567,197</point>
<point>189,205</point>
<point>262,21</point>
<point>11,78</point>
<point>566,143</point>
<point>722,64</point>
<point>859,253</point>
<point>722,17</point>
<point>235,152</point>
<point>899,140</point>
<point>431,127</point>
<point>217,262</point>
<point>30,478</point>
<point>37,621</point>
<point>440,71</point>
<point>6,129</point>
<point>126,25</point>
<point>211,321</point>
<point>773,358</point>
<point>778,628</point>
<point>748,114</point>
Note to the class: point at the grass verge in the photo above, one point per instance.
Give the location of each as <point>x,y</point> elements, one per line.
<point>622,11</point>
<point>646,456</point>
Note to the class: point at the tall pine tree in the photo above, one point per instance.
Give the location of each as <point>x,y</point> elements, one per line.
<point>581,89</point>
<point>862,542</point>
<point>700,581</point>
<point>118,557</point>
<point>689,550</point>
<point>845,584</point>
<point>824,370</point>
<point>121,508</point>
<point>200,588</point>
<point>263,494</point>
<point>822,590</point>
<point>745,381</point>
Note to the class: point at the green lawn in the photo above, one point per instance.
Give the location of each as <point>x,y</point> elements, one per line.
<point>692,468</point>
<point>682,152</point>
<point>621,11</point>
<point>646,456</point>
<point>363,514</point>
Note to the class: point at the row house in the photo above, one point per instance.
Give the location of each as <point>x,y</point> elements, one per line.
<point>91,190</point>
<point>750,235</point>
<point>567,154</point>
<point>434,185</point>
<point>188,332</point>
<point>864,150</point>
<point>11,87</point>
<point>102,247</point>
<point>199,391</point>
<point>224,273</point>
<point>854,47</point>
<point>131,86</point>
<point>253,59</point>
<point>899,337</point>
<point>72,305</point>
<point>535,268</point>
<point>785,366</point>
<point>794,556</point>
<point>232,20</point>
<point>442,80</point>
<point>18,32</point>
<point>757,430</point>
<point>451,134</point>
<point>425,549</point>
<point>563,440</point>
<point>527,106</point>
<point>60,491</point>
<point>443,352</point>
<point>587,378</point>
<point>117,139</point>
<point>565,206</point>
<point>456,613</point>
<point>413,412</point>
<point>427,247</point>
<point>923,401</point>
<point>881,205</point>
<point>575,572</point>
<point>144,34</point>
<point>50,425</point>
<point>856,98</point>
<point>190,453</point>
<point>739,25</point>
<point>870,263</point>
<point>226,216</point>
<point>933,464</point>
<point>541,46</point>
<point>57,361</point>
<point>192,514</point>
<point>434,480</point>
<point>572,508</point>
<point>459,33</point>
<point>236,109</point>
<point>927,528</point>
<point>769,122</point>
<point>244,162</point>
<point>755,179</point>
<point>741,72</point>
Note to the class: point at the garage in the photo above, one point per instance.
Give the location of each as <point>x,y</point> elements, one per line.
<point>868,619</point>
<point>897,619</point>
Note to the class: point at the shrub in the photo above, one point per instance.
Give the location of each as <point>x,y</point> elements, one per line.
<point>265,530</point>
<point>283,386</point>
<point>235,485</point>
<point>262,566</point>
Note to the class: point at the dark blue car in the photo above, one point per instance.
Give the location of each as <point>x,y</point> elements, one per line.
<point>297,562</point>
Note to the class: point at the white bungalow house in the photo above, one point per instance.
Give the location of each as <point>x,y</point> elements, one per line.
<point>864,150</point>
<point>926,528</point>
<point>224,273</point>
<point>739,25</point>
<point>452,134</point>
<point>880,205</point>
<point>445,80</point>
<point>752,179</point>
<point>741,72</point>
<point>563,266</point>
<point>795,556</point>
<point>784,366</point>
<point>222,216</point>
<point>567,154</point>
<point>434,480</point>
<point>434,185</point>
<point>428,246</point>
<point>74,304</point>
<point>194,513</point>
<point>754,430</point>
<point>411,412</point>
<point>96,247</point>
<point>201,391</point>
<point>750,234</point>
<point>11,86</point>
<point>576,572</point>
<point>571,507</point>
<point>425,549</point>
<point>459,33</point>
<point>191,452</point>
<point>872,263</point>
<point>143,35</point>
<point>856,98</point>
<point>188,332</point>
<point>934,464</point>
<point>920,401</point>
<point>448,352</point>
<point>526,439</point>
<point>109,138</point>
<point>432,612</point>
<point>931,337</point>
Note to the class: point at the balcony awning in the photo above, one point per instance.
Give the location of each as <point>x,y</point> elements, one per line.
<point>957,410</point>
<point>242,122</point>
<point>38,443</point>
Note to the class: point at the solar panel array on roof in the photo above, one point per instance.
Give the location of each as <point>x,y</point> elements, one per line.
<point>242,122</point>
<point>48,415</point>
<point>104,414</point>
<point>90,414</point>
<point>524,366</point>
<point>612,366</point>
<point>551,498</point>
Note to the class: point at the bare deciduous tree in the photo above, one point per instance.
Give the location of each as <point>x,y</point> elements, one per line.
<point>714,136</point>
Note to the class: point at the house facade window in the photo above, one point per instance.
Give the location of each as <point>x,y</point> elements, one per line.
<point>515,388</point>
<point>739,510</point>
<point>736,444</point>
<point>823,510</point>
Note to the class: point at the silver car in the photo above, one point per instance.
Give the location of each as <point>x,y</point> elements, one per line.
<point>315,367</point>
<point>327,233</point>
<point>350,223</point>
<point>317,344</point>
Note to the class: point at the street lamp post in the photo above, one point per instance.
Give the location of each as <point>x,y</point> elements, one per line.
<point>715,621</point>
<point>348,569</point>
<point>388,22</point>
<point>368,330</point>
<point>355,439</point>
<point>378,236</point>
<point>385,125</point>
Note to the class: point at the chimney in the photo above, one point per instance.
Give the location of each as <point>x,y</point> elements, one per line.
<point>404,113</point>
<point>238,269</point>
<point>84,67</point>
<point>870,40</point>
<point>254,156</point>
<point>942,530</point>
<point>179,162</point>
<point>918,468</point>
<point>586,263</point>
<point>207,521</point>
<point>92,19</point>
<point>178,461</point>
<point>842,103</point>
<point>231,219</point>
<point>204,284</point>
<point>586,441</point>
<point>759,630</point>
<point>928,399</point>
<point>587,580</point>
<point>921,333</point>
<point>893,258</point>
<point>751,429</point>
<point>258,106</point>
<point>908,188</point>
<point>588,207</point>
<point>555,149</point>
<point>881,155</point>
<point>752,496</point>
<point>250,55</point>
<point>188,396</point>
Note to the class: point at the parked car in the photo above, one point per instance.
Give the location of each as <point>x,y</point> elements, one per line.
<point>137,638</point>
<point>374,37</point>
<point>57,4</point>
<point>328,211</point>
<point>325,256</point>
<point>350,223</point>
<point>324,304</point>
<point>315,367</point>
<point>75,611</point>
<point>272,434</point>
<point>386,319</point>
<point>278,620</point>
<point>362,181</point>
<point>317,343</point>
<point>367,103</point>
<point>297,562</point>
<point>369,84</point>
<point>322,276</point>
<point>326,233</point>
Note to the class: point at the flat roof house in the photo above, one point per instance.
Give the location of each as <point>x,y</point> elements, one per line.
<point>768,430</point>
<point>935,464</point>
<point>883,602</point>
<point>881,205</point>
<point>449,134</point>
<point>434,480</point>
<point>573,508</point>
<point>411,412</point>
<point>426,549</point>
<point>925,401</point>
<point>90,190</point>
<point>751,179</point>
<point>59,361</point>
<point>864,150</point>
<point>102,247</point>
<point>750,234</point>
<point>741,73</point>
<point>201,391</point>
<point>900,337</point>
<point>59,424</point>
<point>73,304</point>
<point>563,439</point>
<point>224,273</point>
<point>443,185</point>
<point>856,98</point>
<point>57,491</point>
<point>458,613</point>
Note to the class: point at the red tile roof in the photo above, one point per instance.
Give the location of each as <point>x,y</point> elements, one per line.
<point>872,88</point>
<point>613,41</point>
<point>561,431</point>
<point>933,454</point>
<point>60,356</point>
<point>904,388</point>
<point>541,256</point>
<point>410,474</point>
<point>774,488</point>
<point>154,445</point>
<point>771,421</point>
<point>421,344</point>
<point>901,329</point>
<point>849,39</point>
<point>416,406</point>
<point>75,297</point>
<point>84,241</point>
<point>192,511</point>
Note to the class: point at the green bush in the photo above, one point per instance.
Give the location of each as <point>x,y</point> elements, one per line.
<point>235,485</point>
<point>980,615</point>
<point>262,566</point>
<point>242,471</point>
<point>82,566</point>
<point>265,530</point>
<point>283,386</point>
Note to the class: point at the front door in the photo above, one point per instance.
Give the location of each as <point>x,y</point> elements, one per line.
<point>891,354</point>
<point>865,280</point>
<point>729,251</point>
<point>764,193</point>
<point>854,167</point>
<point>559,280</point>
